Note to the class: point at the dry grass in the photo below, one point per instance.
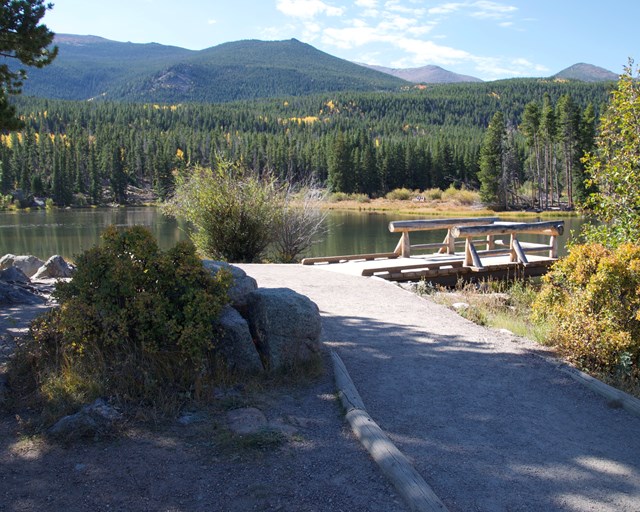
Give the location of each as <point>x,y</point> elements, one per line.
<point>495,304</point>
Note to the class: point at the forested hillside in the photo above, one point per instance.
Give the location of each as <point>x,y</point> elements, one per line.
<point>356,142</point>
<point>89,67</point>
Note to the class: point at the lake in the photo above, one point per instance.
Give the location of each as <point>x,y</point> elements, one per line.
<point>69,232</point>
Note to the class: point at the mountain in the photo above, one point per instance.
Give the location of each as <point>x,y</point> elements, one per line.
<point>89,67</point>
<point>586,73</point>
<point>425,74</point>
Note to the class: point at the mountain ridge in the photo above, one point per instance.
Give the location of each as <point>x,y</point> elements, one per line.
<point>91,67</point>
<point>425,74</point>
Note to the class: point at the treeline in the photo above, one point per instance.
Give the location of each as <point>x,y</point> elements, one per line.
<point>550,172</point>
<point>89,152</point>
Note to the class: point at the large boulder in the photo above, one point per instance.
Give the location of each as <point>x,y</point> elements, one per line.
<point>28,264</point>
<point>285,326</point>
<point>14,275</point>
<point>54,268</point>
<point>236,346</point>
<point>241,286</point>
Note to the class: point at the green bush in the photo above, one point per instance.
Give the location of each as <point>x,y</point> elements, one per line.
<point>135,323</point>
<point>592,300</point>
<point>233,211</point>
<point>432,194</point>
<point>461,196</point>
<point>401,194</point>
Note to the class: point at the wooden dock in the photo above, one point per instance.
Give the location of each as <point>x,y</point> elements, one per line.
<point>470,251</point>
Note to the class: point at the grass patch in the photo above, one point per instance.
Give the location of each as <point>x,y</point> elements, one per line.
<point>495,304</point>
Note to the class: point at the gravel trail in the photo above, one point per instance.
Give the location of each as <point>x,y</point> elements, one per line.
<point>488,423</point>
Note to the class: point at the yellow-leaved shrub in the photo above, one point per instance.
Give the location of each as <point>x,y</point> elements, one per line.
<point>591,298</point>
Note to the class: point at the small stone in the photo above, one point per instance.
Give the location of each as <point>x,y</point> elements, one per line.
<point>247,420</point>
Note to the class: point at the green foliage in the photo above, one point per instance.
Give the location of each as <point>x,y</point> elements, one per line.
<point>591,298</point>
<point>23,39</point>
<point>460,196</point>
<point>232,210</point>
<point>614,167</point>
<point>135,323</point>
<point>414,139</point>
<point>401,194</point>
<point>492,190</point>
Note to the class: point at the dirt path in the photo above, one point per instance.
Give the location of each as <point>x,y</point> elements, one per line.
<point>197,465</point>
<point>488,423</point>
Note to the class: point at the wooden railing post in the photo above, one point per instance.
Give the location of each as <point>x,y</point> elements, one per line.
<point>490,243</point>
<point>404,245</point>
<point>512,251</point>
<point>553,252</point>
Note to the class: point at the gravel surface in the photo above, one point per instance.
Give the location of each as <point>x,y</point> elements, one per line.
<point>488,423</point>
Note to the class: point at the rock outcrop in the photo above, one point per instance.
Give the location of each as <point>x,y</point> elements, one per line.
<point>236,346</point>
<point>98,418</point>
<point>54,268</point>
<point>285,326</point>
<point>242,284</point>
<point>28,264</point>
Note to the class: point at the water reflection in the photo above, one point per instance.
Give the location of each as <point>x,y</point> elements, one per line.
<point>69,232</point>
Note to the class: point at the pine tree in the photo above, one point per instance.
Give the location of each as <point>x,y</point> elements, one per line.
<point>492,190</point>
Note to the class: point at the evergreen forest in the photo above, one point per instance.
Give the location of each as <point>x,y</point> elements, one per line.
<point>427,136</point>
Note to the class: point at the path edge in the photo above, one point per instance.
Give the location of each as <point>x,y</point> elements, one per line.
<point>415,491</point>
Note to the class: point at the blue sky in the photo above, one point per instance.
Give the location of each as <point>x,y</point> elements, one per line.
<point>486,39</point>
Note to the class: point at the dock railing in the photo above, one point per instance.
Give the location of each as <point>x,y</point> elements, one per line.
<point>448,246</point>
<point>472,232</point>
<point>516,249</point>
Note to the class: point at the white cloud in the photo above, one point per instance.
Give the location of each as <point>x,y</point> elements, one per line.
<point>492,10</point>
<point>307,9</point>
<point>369,4</point>
<point>495,67</point>
<point>446,8</point>
<point>212,22</point>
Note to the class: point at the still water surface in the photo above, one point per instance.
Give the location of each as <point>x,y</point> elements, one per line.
<point>69,232</point>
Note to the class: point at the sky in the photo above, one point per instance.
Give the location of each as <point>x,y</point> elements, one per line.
<point>486,39</point>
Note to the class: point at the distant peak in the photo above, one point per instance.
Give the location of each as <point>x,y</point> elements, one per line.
<point>584,72</point>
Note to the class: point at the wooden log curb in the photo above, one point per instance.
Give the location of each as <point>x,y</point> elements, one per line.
<point>616,397</point>
<point>416,493</point>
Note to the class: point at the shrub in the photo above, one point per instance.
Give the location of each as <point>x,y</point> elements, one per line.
<point>5,201</point>
<point>337,197</point>
<point>135,323</point>
<point>401,194</point>
<point>232,210</point>
<point>433,194</point>
<point>298,221</point>
<point>461,196</point>
<point>592,300</point>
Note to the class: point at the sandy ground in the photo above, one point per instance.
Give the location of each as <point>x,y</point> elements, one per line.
<point>488,423</point>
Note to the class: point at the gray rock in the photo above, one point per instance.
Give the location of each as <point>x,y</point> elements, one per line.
<point>55,267</point>
<point>247,420</point>
<point>97,418</point>
<point>242,284</point>
<point>236,346</point>
<point>15,294</point>
<point>284,325</point>
<point>14,275</point>
<point>28,264</point>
